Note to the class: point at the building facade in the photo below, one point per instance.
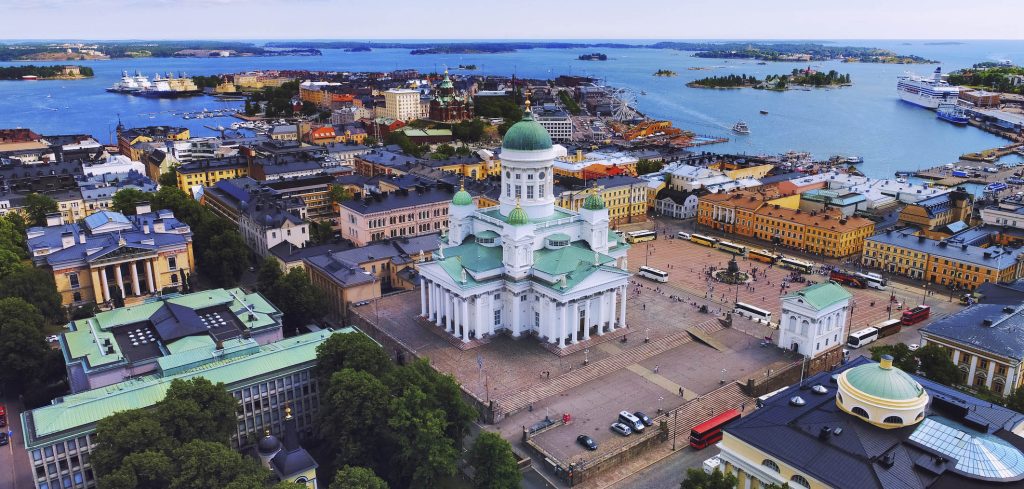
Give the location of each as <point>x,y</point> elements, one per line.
<point>945,262</point>
<point>526,266</point>
<point>625,197</point>
<point>985,344</point>
<point>405,212</point>
<point>814,319</point>
<point>402,104</point>
<point>109,254</point>
<point>826,233</point>
<point>446,105</point>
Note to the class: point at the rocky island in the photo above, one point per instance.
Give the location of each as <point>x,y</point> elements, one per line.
<point>32,72</point>
<point>664,72</point>
<point>798,78</point>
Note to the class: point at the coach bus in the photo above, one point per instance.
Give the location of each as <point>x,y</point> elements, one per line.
<point>915,315</point>
<point>703,240</point>
<point>640,236</point>
<point>764,256</point>
<point>653,274</point>
<point>752,312</point>
<point>888,327</point>
<point>710,431</point>
<point>873,280</point>
<point>798,265</point>
<point>732,248</point>
<point>860,338</point>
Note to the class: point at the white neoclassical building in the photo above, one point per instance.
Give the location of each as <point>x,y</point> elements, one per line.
<point>813,319</point>
<point>527,266</point>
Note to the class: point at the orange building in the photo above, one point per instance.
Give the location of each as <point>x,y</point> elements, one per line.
<point>730,212</point>
<point>323,135</point>
<point>827,233</point>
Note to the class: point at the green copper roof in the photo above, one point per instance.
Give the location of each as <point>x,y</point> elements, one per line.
<point>487,234</point>
<point>462,198</point>
<point>475,257</point>
<point>527,135</point>
<point>886,383</point>
<point>593,202</point>
<point>822,295</point>
<point>77,413</point>
<point>567,259</point>
<point>518,217</point>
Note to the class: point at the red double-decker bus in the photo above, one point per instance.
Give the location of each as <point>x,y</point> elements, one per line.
<point>710,431</point>
<point>847,278</point>
<point>915,315</point>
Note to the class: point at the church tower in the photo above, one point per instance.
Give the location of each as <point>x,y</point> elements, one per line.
<point>527,164</point>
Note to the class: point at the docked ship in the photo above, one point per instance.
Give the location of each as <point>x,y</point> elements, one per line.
<point>952,113</point>
<point>741,128</point>
<point>129,84</point>
<point>927,92</point>
<point>169,87</point>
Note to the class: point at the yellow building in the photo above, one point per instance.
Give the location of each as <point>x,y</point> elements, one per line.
<point>625,197</point>
<point>942,262</point>
<point>472,167</point>
<point>205,173</point>
<point>132,256</point>
<point>128,138</point>
<point>759,171</point>
<point>935,212</point>
<point>826,233</point>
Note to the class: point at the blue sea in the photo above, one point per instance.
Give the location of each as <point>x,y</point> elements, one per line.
<point>867,119</point>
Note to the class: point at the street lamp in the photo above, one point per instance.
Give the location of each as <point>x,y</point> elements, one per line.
<point>924,293</point>
<point>586,356</point>
<point>723,376</point>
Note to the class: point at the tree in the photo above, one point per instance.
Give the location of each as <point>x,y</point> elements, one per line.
<point>35,286</point>
<point>903,358</point>
<point>936,364</point>
<point>299,301</point>
<point>225,258</point>
<point>23,348</point>
<point>443,393</point>
<point>644,167</point>
<point>422,453</point>
<point>353,407</point>
<point>170,178</point>
<point>197,409</point>
<point>126,199</point>
<point>320,232</point>
<point>340,193</point>
<point>12,234</point>
<point>269,273</point>
<point>349,477</point>
<point>9,262</point>
<point>495,465</point>
<point>698,479</point>
<point>37,206</point>
<point>1016,400</point>
<point>117,296</point>
<point>350,351</point>
<point>124,433</point>
<point>150,469</point>
<point>204,464</point>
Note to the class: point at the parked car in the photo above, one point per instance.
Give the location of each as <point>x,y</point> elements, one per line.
<point>643,418</point>
<point>621,429</point>
<point>3,415</point>
<point>913,346</point>
<point>634,423</point>
<point>3,438</point>
<point>682,235</point>
<point>52,338</point>
<point>587,442</point>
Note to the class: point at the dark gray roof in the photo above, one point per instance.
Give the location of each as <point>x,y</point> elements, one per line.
<point>1001,293</point>
<point>850,460</point>
<point>674,195</point>
<point>398,200</point>
<point>345,267</point>
<point>785,177</point>
<point>994,257</point>
<point>385,157</point>
<point>995,328</point>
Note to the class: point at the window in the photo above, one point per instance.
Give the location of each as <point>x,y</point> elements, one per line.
<point>73,280</point>
<point>172,263</point>
<point>800,481</point>
<point>770,464</point>
<point>497,317</point>
<point>529,192</point>
<point>893,420</point>
<point>859,411</point>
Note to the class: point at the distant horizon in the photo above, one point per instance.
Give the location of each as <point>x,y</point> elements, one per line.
<point>809,40</point>
<point>521,20</point>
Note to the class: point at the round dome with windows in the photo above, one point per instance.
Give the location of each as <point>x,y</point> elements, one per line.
<point>882,395</point>
<point>527,134</point>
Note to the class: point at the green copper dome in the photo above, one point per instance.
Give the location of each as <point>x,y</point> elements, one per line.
<point>593,202</point>
<point>884,381</point>
<point>518,216</point>
<point>527,135</point>
<point>462,197</point>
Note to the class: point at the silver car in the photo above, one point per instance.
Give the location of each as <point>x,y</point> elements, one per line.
<point>621,429</point>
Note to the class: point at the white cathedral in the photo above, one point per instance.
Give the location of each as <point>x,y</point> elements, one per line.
<point>527,266</point>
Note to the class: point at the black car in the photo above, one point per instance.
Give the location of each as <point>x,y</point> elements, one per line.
<point>643,418</point>
<point>587,442</point>
<point>3,438</point>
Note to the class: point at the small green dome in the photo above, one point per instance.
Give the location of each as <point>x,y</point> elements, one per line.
<point>884,381</point>
<point>527,135</point>
<point>518,216</point>
<point>593,202</point>
<point>462,198</point>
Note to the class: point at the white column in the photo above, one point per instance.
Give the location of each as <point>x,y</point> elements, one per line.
<point>516,313</point>
<point>149,276</point>
<point>480,322</point>
<point>106,286</point>
<point>450,316</point>
<point>545,319</point>
<point>586,318</point>
<point>120,279</point>
<point>956,357</point>
<point>991,372</point>
<point>136,289</point>
<point>438,304</point>
<point>612,319</point>
<point>464,316</point>
<point>602,303</point>
<point>490,313</point>
<point>562,311</point>
<point>574,320</point>
<point>970,374</point>
<point>423,297</point>
<point>622,310</point>
<point>1011,380</point>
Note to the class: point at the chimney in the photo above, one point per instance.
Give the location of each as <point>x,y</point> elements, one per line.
<point>824,432</point>
<point>145,227</point>
<point>81,237</point>
<point>158,226</point>
<point>67,240</point>
<point>54,219</point>
<point>142,208</point>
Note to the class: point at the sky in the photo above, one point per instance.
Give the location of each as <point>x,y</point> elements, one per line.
<point>511,19</point>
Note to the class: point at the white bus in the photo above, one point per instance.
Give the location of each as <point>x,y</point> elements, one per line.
<point>733,248</point>
<point>798,265</point>
<point>752,312</point>
<point>860,338</point>
<point>653,274</point>
<point>873,280</point>
<point>640,236</point>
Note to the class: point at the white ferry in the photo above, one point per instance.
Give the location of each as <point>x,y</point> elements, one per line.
<point>927,92</point>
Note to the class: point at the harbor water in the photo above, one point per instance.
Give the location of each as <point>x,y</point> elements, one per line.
<point>866,119</point>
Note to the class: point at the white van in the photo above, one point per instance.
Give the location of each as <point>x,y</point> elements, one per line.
<point>629,419</point>
<point>711,464</point>
<point>682,235</point>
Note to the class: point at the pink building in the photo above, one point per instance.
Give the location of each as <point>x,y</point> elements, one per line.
<point>414,211</point>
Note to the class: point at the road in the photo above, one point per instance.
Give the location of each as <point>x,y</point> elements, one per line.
<point>669,472</point>
<point>15,470</point>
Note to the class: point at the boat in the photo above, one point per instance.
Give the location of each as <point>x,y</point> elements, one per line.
<point>927,92</point>
<point>995,187</point>
<point>901,180</point>
<point>741,128</point>
<point>169,87</point>
<point>903,174</point>
<point>764,112</point>
<point>853,160</point>
<point>129,84</point>
<point>952,113</point>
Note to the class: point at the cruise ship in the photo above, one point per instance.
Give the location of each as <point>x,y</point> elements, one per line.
<point>927,92</point>
<point>129,84</point>
<point>169,87</point>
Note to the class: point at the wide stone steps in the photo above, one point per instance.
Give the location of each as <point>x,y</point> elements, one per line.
<point>516,401</point>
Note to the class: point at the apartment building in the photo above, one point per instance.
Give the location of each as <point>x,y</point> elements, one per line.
<point>949,262</point>
<point>402,104</point>
<point>407,212</point>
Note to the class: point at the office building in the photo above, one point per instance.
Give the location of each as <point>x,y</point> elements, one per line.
<point>949,262</point>
<point>402,104</point>
<point>406,212</point>
<point>985,343</point>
